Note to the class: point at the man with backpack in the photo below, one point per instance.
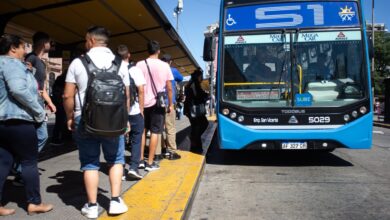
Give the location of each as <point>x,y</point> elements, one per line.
<point>158,76</point>
<point>96,104</point>
<point>136,113</point>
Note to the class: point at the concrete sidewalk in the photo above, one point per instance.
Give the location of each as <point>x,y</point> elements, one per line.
<point>62,181</point>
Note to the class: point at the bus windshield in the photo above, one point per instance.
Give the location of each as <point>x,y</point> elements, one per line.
<point>311,69</point>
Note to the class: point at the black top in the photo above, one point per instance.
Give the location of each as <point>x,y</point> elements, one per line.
<point>40,66</point>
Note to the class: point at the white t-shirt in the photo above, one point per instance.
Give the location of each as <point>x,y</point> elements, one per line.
<point>102,57</point>
<point>139,80</point>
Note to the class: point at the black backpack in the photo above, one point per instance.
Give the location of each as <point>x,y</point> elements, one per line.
<point>104,112</point>
<point>133,87</point>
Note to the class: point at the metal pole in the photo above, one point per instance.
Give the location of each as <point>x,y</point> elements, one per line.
<point>212,97</point>
<point>373,41</point>
<point>177,22</point>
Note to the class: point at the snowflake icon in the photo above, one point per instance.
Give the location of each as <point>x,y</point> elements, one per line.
<point>347,13</point>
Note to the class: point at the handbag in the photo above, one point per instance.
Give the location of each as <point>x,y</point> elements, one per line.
<point>161,97</point>
<point>197,110</point>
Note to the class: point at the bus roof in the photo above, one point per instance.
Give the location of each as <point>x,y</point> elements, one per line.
<point>229,2</point>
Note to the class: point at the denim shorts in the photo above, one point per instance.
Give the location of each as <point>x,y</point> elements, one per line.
<point>89,148</point>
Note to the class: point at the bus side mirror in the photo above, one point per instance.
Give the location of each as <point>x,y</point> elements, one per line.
<point>209,49</point>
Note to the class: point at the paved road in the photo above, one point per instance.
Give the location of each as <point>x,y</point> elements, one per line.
<point>345,184</point>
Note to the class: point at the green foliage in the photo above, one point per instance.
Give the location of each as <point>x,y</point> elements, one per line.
<point>382,61</point>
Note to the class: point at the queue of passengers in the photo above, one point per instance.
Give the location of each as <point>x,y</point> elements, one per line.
<point>22,114</point>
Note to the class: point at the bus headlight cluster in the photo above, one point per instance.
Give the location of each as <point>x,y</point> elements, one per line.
<point>233,115</point>
<point>346,117</point>
<point>354,114</point>
<point>225,111</point>
<point>363,110</point>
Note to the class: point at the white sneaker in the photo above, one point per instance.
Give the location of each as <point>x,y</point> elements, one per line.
<point>134,174</point>
<point>117,208</point>
<point>90,212</point>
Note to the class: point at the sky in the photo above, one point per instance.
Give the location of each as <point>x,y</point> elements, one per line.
<point>198,14</point>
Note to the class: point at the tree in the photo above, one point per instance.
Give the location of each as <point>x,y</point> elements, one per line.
<point>382,61</point>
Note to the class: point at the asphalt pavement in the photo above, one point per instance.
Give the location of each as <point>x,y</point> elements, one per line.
<point>344,184</point>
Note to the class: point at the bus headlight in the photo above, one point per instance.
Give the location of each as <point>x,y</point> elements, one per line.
<point>354,114</point>
<point>225,111</point>
<point>346,117</point>
<point>240,118</point>
<point>363,110</point>
<point>233,115</point>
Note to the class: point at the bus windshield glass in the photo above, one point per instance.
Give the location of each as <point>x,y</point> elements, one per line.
<point>291,54</point>
<point>311,69</point>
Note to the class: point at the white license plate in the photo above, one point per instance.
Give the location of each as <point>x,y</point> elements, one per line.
<point>294,145</point>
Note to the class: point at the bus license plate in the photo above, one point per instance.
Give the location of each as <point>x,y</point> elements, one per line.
<point>294,145</point>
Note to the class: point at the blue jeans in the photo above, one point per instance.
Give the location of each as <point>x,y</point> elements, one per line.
<point>42,135</point>
<point>89,148</point>
<point>135,136</point>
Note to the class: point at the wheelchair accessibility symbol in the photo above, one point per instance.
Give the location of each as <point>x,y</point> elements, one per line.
<point>230,21</point>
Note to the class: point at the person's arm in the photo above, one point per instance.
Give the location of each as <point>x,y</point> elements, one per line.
<point>70,92</point>
<point>139,81</point>
<point>18,88</point>
<point>48,100</point>
<point>168,86</point>
<point>141,98</point>
<point>176,75</point>
<point>69,96</point>
<point>128,98</point>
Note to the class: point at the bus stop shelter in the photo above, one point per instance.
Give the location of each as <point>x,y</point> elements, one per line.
<point>131,22</point>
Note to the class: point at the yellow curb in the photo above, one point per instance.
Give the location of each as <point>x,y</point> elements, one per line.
<point>381,124</point>
<point>212,118</point>
<point>165,193</point>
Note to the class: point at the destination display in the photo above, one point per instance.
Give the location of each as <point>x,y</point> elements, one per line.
<point>303,37</point>
<point>292,15</point>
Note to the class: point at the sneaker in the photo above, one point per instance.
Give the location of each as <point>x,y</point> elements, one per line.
<point>152,167</point>
<point>117,208</point>
<point>158,157</point>
<point>124,178</point>
<point>90,211</point>
<point>172,156</point>
<point>18,181</point>
<point>141,165</point>
<point>134,174</point>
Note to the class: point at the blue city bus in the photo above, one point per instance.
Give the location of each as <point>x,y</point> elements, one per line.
<point>293,75</point>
